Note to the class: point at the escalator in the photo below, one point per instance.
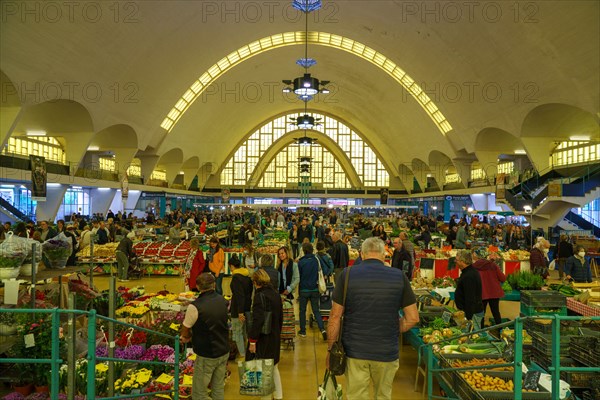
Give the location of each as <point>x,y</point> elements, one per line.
<point>11,211</point>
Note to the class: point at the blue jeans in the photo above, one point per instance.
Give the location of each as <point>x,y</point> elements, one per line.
<point>219,284</point>
<point>314,304</point>
<point>238,330</point>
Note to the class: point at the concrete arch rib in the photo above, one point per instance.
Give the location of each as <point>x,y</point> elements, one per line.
<point>555,122</point>
<point>10,107</point>
<point>490,143</point>
<point>288,139</point>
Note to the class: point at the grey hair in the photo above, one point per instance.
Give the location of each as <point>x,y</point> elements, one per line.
<point>373,245</point>
<point>464,256</point>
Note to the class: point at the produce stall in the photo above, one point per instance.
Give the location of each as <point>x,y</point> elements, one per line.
<point>164,258</point>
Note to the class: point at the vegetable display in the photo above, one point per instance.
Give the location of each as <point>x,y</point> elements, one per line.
<point>481,362</point>
<point>480,381</point>
<point>567,290</point>
<point>524,280</point>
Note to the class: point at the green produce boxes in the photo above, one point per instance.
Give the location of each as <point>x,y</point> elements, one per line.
<point>543,298</point>
<point>533,311</point>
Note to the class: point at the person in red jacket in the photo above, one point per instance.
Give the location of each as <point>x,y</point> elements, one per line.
<point>194,265</point>
<point>491,282</point>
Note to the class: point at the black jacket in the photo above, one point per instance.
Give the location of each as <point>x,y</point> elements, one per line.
<point>565,249</point>
<point>339,254</point>
<point>241,294</point>
<point>267,346</point>
<point>468,292</point>
<point>398,258</point>
<point>210,333</point>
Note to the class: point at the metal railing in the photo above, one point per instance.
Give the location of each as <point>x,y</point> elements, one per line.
<point>55,361</point>
<point>555,369</point>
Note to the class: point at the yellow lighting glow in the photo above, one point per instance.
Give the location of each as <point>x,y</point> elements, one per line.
<point>299,38</point>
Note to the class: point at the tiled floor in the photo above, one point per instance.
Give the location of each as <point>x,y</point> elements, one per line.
<point>301,369</point>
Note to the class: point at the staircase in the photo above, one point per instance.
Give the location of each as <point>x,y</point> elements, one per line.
<point>11,211</point>
<point>582,223</point>
<point>577,186</point>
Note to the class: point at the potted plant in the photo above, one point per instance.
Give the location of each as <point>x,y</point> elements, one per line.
<point>41,373</point>
<point>57,251</point>
<point>8,323</point>
<point>24,385</point>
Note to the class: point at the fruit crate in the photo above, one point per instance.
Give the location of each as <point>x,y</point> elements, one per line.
<point>580,379</point>
<point>530,311</point>
<point>465,391</point>
<point>543,298</point>
<point>544,326</point>
<point>589,356</point>
<point>543,343</point>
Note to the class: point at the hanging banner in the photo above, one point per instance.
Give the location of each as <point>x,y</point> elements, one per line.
<point>383,196</point>
<point>38,178</point>
<point>225,195</point>
<point>124,187</point>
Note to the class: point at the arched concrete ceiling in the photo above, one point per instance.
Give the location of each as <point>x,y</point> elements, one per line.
<point>120,136</point>
<point>56,118</point>
<point>560,121</point>
<point>173,156</point>
<point>480,69</point>
<point>191,163</point>
<point>497,140</point>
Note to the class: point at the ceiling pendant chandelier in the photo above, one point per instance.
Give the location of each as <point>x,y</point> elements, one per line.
<point>306,87</point>
<point>305,121</point>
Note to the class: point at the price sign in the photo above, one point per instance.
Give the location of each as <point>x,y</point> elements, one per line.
<point>164,378</point>
<point>447,316</point>
<point>531,380</point>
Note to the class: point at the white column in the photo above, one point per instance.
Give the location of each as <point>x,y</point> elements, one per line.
<point>46,210</point>
<point>101,200</point>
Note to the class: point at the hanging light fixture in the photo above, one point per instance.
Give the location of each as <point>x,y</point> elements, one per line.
<point>306,86</point>
<point>305,121</point>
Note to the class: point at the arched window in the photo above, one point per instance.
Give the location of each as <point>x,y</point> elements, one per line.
<point>242,165</point>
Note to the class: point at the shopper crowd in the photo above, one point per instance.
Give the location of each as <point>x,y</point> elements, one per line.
<point>368,294</point>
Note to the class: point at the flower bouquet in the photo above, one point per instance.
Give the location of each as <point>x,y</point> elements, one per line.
<point>12,254</point>
<point>133,381</point>
<point>134,352</point>
<point>132,311</point>
<point>57,251</point>
<point>123,339</point>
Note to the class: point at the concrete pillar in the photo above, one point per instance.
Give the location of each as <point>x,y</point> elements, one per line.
<point>188,176</point>
<point>116,204</point>
<point>463,169</point>
<point>172,171</point>
<point>132,200</point>
<point>538,151</point>
<point>76,145</point>
<point>489,163</point>
<point>9,116</point>
<point>101,200</point>
<point>148,163</point>
<point>123,158</point>
<point>207,176</point>
<point>480,201</point>
<point>46,210</point>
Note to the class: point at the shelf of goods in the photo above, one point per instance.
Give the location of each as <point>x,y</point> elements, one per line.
<point>445,336</point>
<point>162,258</point>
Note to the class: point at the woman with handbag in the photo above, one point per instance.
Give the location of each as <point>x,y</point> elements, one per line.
<point>266,305</point>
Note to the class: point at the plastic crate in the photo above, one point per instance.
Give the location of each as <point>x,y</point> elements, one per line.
<point>533,311</point>
<point>543,298</point>
<point>584,355</point>
<point>543,343</point>
<point>580,379</point>
<point>535,325</point>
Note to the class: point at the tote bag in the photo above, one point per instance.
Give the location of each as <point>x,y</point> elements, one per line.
<point>256,377</point>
